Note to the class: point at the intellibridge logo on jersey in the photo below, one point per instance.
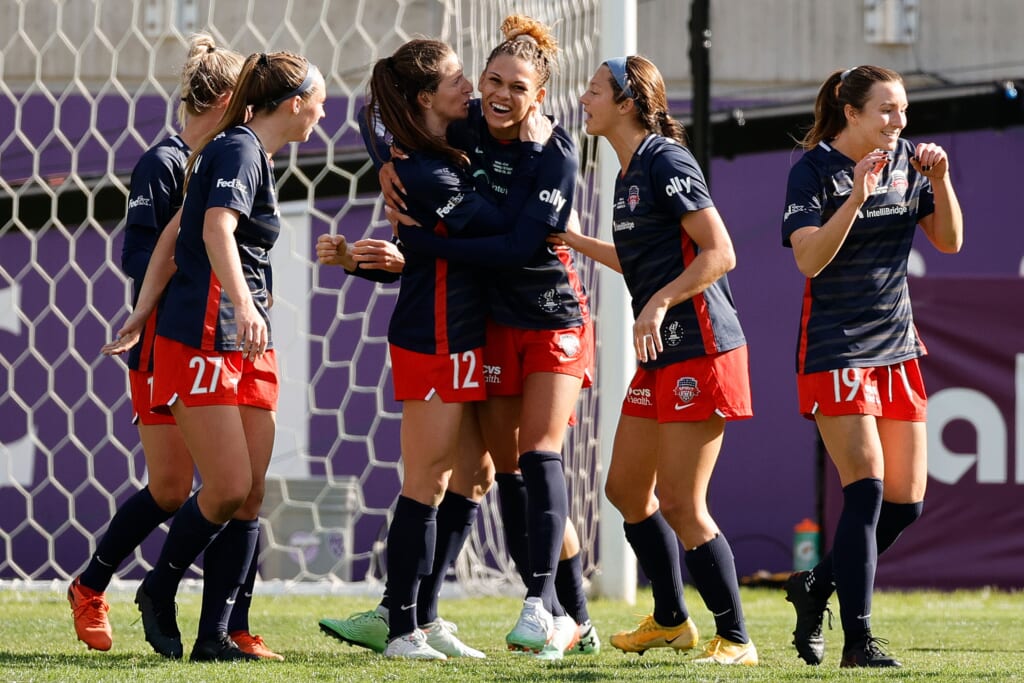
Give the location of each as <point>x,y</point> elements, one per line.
<point>141,200</point>
<point>553,197</point>
<point>233,183</point>
<point>890,210</point>
<point>678,185</point>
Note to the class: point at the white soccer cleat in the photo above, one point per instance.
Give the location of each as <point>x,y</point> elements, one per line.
<point>565,634</point>
<point>441,637</point>
<point>412,646</point>
<point>533,629</point>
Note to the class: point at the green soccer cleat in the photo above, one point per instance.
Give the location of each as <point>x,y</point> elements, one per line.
<point>364,629</point>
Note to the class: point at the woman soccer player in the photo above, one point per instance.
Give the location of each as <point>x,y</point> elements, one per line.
<point>207,78</point>
<point>539,350</point>
<point>215,369</point>
<point>437,328</point>
<point>853,203</point>
<point>673,250</point>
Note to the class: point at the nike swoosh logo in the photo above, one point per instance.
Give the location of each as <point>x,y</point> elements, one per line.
<point>688,405</point>
<point>230,601</point>
<point>720,614</point>
<point>406,608</point>
<point>537,576</point>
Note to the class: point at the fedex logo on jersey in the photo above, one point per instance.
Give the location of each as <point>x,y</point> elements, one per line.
<point>233,183</point>
<point>450,206</point>
<point>678,185</point>
<point>553,197</point>
<point>139,201</point>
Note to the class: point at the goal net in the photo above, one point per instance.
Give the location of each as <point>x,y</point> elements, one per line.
<point>85,88</point>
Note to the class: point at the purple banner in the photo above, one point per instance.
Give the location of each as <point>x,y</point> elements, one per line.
<point>972,530</point>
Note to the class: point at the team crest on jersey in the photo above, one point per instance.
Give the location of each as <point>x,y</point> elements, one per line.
<point>634,197</point>
<point>898,182</point>
<point>570,345</point>
<point>686,389</point>
<point>673,334</point>
<point>548,301</point>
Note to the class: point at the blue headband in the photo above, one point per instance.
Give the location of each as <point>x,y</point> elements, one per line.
<point>618,68</point>
<point>307,83</point>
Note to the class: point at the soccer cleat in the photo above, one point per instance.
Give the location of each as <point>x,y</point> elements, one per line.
<point>441,636</point>
<point>220,648</point>
<point>533,629</point>
<point>810,612</point>
<point>650,634</point>
<point>413,646</point>
<point>722,651</point>
<point>588,642</point>
<point>90,612</point>
<point>365,629</point>
<point>868,653</point>
<point>565,633</point>
<point>160,625</point>
<point>254,645</point>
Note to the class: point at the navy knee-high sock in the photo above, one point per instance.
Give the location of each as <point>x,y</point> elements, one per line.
<point>132,522</point>
<point>239,620</point>
<point>455,517</point>
<point>657,551</point>
<point>411,540</point>
<point>569,588</point>
<point>892,520</point>
<point>545,514</point>
<point>855,556</point>
<point>189,535</point>
<point>713,569</point>
<point>512,499</point>
<point>226,563</point>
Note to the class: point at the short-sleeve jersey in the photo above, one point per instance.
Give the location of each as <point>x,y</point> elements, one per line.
<point>661,185</point>
<point>545,293</point>
<point>232,172</point>
<point>856,312</point>
<point>441,306</point>
<point>154,197</point>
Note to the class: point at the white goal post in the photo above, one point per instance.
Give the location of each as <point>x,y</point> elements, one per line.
<point>85,88</point>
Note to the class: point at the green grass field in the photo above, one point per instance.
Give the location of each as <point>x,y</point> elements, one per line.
<point>939,637</point>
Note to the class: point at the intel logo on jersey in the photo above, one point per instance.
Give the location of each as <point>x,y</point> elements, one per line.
<point>139,201</point>
<point>553,197</point>
<point>452,203</point>
<point>234,184</point>
<point>678,185</point>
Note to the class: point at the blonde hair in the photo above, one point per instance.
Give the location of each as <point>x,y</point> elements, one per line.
<point>530,40</point>
<point>208,73</point>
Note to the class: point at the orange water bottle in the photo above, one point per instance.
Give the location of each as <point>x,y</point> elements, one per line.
<point>805,545</point>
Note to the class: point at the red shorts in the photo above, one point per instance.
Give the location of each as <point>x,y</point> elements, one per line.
<point>892,391</point>
<point>454,377</point>
<point>141,385</point>
<point>513,353</point>
<point>211,378</point>
<point>693,390</point>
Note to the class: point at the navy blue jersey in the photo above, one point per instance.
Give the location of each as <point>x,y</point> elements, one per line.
<point>856,312</point>
<point>442,305</point>
<point>232,172</point>
<point>661,185</point>
<point>543,289</point>
<point>154,197</point>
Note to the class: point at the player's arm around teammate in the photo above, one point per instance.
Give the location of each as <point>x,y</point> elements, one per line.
<point>853,203</point>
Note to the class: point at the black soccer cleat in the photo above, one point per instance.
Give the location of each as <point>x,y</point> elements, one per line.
<point>810,612</point>
<point>219,648</point>
<point>160,625</point>
<point>867,653</point>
